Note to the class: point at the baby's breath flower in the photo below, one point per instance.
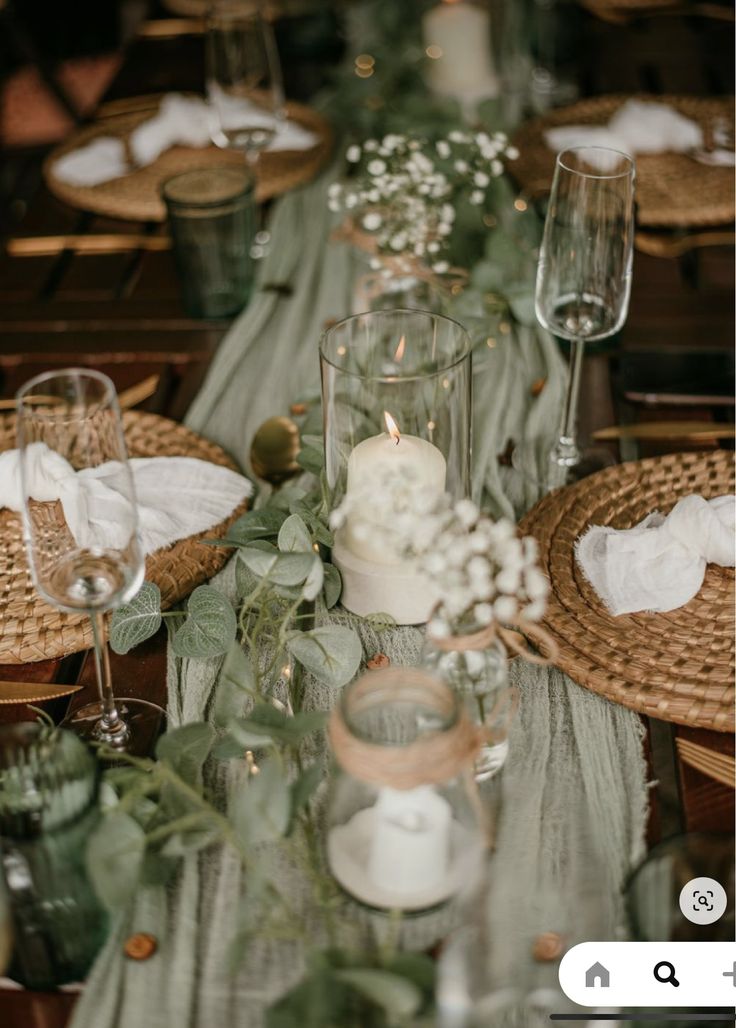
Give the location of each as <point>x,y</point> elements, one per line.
<point>372,221</point>
<point>477,197</point>
<point>443,148</point>
<point>376,167</point>
<point>353,154</point>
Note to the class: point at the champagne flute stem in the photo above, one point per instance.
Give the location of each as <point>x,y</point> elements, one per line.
<point>111,728</point>
<point>565,451</point>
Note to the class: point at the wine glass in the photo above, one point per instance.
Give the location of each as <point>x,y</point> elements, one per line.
<point>243,77</point>
<point>584,271</point>
<point>81,528</point>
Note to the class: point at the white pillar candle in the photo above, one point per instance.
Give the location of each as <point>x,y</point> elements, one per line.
<point>457,37</point>
<point>410,844</point>
<point>369,462</point>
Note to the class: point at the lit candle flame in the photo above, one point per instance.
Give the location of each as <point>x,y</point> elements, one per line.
<point>393,428</point>
<point>399,355</point>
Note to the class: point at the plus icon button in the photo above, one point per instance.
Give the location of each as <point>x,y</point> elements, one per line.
<point>731,974</point>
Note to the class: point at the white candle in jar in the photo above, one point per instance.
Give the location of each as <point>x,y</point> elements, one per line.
<point>410,844</point>
<point>457,38</point>
<point>369,461</point>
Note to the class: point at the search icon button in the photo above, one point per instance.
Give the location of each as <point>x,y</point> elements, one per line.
<point>664,972</point>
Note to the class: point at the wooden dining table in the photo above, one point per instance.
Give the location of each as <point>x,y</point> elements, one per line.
<point>76,288</point>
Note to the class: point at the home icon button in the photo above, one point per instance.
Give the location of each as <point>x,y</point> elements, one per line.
<point>597,976</point>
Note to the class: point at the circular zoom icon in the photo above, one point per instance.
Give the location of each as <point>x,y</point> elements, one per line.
<point>703,900</point>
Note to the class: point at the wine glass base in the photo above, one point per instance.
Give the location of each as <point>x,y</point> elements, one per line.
<point>145,722</point>
<point>547,475</point>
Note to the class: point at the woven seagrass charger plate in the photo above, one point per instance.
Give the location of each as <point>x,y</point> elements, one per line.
<point>135,197</point>
<point>677,666</point>
<point>32,630</point>
<point>672,190</point>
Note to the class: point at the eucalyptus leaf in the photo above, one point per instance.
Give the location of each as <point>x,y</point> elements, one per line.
<point>235,684</point>
<point>320,531</point>
<point>294,536</point>
<point>261,809</point>
<point>311,459</point>
<point>114,859</point>
<point>332,653</point>
<point>260,728</point>
<point>332,586</point>
<point>318,1001</point>
<point>287,569</point>
<point>305,787</point>
<point>313,583</point>
<point>180,844</point>
<point>248,736</point>
<point>210,627</point>
<point>186,748</point>
<point>398,996</point>
<point>228,748</point>
<point>263,523</point>
<point>136,621</point>
<point>417,967</point>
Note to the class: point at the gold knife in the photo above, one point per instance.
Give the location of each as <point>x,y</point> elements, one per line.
<point>33,692</point>
<point>668,430</point>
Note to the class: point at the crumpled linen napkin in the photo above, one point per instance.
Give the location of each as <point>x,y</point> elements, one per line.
<point>639,127</point>
<point>175,496</point>
<point>660,563</point>
<point>181,120</point>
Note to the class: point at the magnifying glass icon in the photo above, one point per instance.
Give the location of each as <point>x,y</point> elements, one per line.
<point>664,972</point>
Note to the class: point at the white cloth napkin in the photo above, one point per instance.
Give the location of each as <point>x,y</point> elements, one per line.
<point>639,127</point>
<point>181,120</point>
<point>660,563</point>
<point>176,496</point>
<point>98,161</point>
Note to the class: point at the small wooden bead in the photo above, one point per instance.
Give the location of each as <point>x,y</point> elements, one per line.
<point>537,386</point>
<point>548,947</point>
<point>140,946</point>
<point>297,409</point>
<point>378,660</point>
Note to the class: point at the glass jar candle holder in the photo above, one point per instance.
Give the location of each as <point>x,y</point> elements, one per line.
<point>405,826</point>
<point>396,399</point>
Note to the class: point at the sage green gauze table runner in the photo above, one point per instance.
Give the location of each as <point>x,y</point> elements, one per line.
<point>574,793</point>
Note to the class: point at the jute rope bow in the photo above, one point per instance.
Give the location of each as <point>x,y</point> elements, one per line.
<point>513,638</point>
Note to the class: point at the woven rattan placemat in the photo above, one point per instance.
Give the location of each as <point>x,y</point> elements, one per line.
<point>31,629</point>
<point>677,666</point>
<point>135,197</point>
<point>672,190</point>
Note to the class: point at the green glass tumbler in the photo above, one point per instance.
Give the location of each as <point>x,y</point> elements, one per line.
<point>49,785</point>
<point>213,219</point>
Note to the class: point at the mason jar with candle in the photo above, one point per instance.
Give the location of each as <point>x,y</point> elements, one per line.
<point>405,827</point>
<point>396,400</point>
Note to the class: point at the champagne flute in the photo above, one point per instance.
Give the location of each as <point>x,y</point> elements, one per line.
<point>243,77</point>
<point>584,271</point>
<point>81,528</point>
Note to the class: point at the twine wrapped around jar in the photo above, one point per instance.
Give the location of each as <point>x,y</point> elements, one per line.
<point>432,759</point>
<point>483,638</point>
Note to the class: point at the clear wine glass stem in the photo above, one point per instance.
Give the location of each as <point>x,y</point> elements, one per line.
<point>111,728</point>
<point>565,451</point>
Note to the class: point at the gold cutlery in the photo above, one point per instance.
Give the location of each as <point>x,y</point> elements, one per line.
<point>43,246</point>
<point>686,430</point>
<point>33,692</point>
<point>128,398</point>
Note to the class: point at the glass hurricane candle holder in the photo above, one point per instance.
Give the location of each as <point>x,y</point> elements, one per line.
<point>396,398</point>
<point>405,827</point>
